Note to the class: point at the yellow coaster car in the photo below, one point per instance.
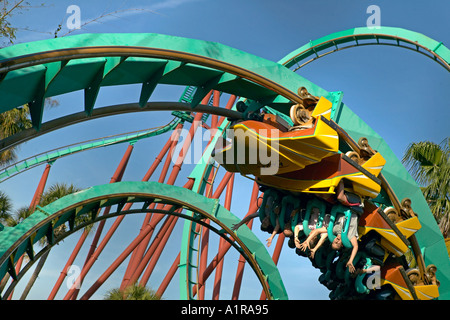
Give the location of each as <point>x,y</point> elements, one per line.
<point>324,176</point>
<point>302,158</point>
<point>396,276</point>
<point>372,219</point>
<point>258,145</point>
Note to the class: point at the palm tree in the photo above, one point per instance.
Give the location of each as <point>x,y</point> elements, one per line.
<point>5,207</point>
<point>12,122</point>
<point>12,218</point>
<point>53,193</point>
<point>5,216</point>
<point>429,164</point>
<point>57,191</point>
<point>133,292</point>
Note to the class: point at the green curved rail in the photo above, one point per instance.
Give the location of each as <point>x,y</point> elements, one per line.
<point>178,107</point>
<point>368,36</point>
<point>19,239</point>
<point>90,61</point>
<point>53,155</point>
<point>132,137</point>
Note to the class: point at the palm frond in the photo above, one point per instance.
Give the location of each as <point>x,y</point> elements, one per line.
<point>5,206</point>
<point>429,164</point>
<point>132,292</point>
<point>57,191</point>
<point>423,160</point>
<point>12,122</point>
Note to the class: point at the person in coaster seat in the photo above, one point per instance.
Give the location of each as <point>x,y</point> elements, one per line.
<point>349,200</point>
<point>313,242</point>
<point>336,244</point>
<point>266,224</point>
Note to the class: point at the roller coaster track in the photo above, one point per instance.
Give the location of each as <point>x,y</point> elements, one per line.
<point>131,137</point>
<point>88,62</point>
<point>359,37</point>
<point>55,154</point>
<point>142,195</point>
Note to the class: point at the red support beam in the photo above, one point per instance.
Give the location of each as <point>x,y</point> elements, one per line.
<point>134,262</point>
<point>137,270</point>
<point>74,291</point>
<point>148,255</point>
<point>132,246</point>
<point>163,152</point>
<point>137,257</point>
<point>168,278</point>
<point>119,260</point>
<point>117,176</point>
<point>93,257</point>
<point>164,284</point>
<point>40,188</point>
<point>157,254</point>
<point>219,268</point>
<point>137,254</point>
<point>146,177</point>
<point>153,223</point>
<point>177,166</point>
<point>229,105</point>
<point>69,262</point>
<point>216,101</point>
<point>212,265</point>
<point>183,152</point>
<point>34,202</point>
<point>219,190</point>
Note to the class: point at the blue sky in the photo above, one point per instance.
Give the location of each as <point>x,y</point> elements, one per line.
<point>399,93</point>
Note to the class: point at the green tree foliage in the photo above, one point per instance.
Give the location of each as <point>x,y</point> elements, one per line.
<point>133,292</point>
<point>16,120</point>
<point>5,206</point>
<point>53,193</point>
<point>12,122</point>
<point>7,10</point>
<point>429,164</point>
<point>11,218</point>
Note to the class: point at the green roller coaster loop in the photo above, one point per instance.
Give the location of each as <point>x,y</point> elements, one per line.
<point>363,36</point>
<point>90,61</point>
<point>429,237</point>
<point>20,239</point>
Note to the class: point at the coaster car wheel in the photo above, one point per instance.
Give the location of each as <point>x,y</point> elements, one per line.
<point>307,98</point>
<point>392,214</point>
<point>414,276</point>
<point>299,115</point>
<point>354,156</point>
